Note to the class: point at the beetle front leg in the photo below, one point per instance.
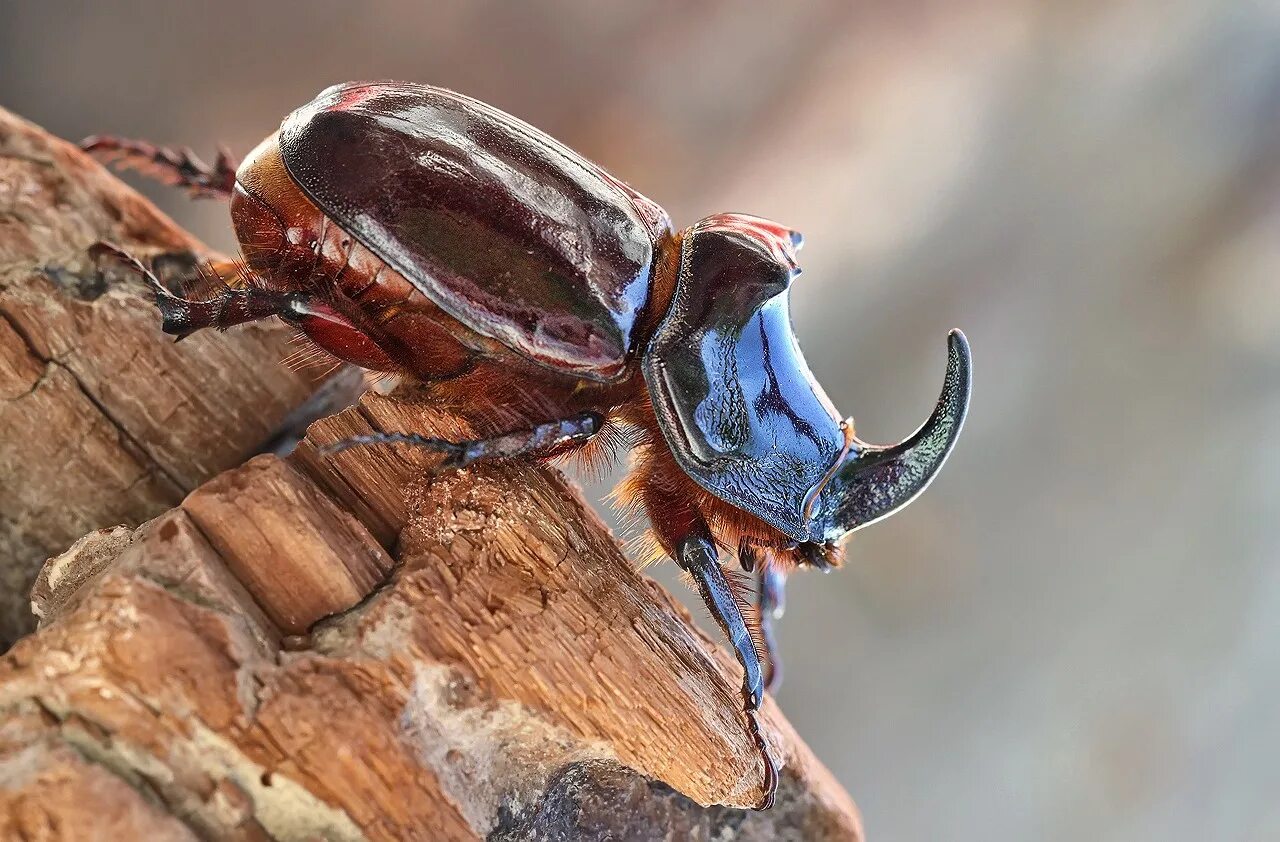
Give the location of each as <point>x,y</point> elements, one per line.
<point>771,581</point>
<point>770,598</point>
<point>696,554</point>
<point>175,167</point>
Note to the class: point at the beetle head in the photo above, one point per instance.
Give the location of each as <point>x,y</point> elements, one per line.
<point>741,412</point>
<point>872,482</point>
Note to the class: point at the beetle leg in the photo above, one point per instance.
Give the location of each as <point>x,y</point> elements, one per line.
<point>176,167</point>
<point>771,587</point>
<point>696,554</point>
<point>539,439</point>
<point>770,582</point>
<point>333,323</point>
<point>229,306</point>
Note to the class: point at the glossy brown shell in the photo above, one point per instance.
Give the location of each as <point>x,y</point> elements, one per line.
<point>505,229</point>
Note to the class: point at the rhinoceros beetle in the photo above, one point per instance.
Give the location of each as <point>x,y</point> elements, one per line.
<point>406,228</point>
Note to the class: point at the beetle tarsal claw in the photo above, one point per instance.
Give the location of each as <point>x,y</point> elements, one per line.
<point>875,481</point>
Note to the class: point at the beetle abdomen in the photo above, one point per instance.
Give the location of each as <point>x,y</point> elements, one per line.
<point>508,231</point>
<point>292,245</point>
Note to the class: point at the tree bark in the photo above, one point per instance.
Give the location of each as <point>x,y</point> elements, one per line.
<point>350,647</point>
<point>103,422</point>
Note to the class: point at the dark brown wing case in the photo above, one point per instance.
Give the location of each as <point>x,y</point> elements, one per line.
<point>504,228</point>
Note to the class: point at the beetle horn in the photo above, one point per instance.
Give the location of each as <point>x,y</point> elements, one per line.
<point>873,482</point>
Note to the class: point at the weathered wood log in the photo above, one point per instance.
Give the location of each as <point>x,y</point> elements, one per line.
<point>100,423</point>
<point>235,669</point>
<point>315,647</point>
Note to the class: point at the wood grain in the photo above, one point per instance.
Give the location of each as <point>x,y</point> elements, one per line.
<point>104,422</point>
<point>242,662</point>
<point>314,647</point>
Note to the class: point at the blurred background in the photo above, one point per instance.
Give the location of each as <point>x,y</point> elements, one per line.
<point>1076,633</point>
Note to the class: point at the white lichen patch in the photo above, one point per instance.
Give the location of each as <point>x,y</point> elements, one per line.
<point>20,768</point>
<point>63,575</point>
<point>486,755</point>
<point>283,807</point>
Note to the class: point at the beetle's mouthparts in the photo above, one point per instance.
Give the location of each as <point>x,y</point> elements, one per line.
<point>873,482</point>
